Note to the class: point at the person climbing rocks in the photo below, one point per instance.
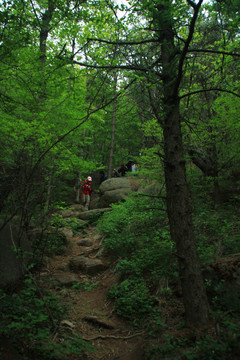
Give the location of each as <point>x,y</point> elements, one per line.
<point>87,190</point>
<point>122,170</point>
<point>115,173</point>
<point>129,165</point>
<point>103,177</point>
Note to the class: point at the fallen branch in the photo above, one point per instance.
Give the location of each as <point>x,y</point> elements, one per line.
<point>113,337</point>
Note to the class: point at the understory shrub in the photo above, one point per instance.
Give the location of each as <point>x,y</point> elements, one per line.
<point>132,298</point>
<point>217,225</point>
<point>217,233</point>
<point>133,225</point>
<point>47,243</point>
<point>136,232</point>
<point>31,318</point>
<point>153,260</point>
<point>134,302</point>
<point>223,346</point>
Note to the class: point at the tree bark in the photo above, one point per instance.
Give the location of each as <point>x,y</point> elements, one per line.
<point>180,221</point>
<point>178,196</point>
<point>45,28</point>
<point>113,127</point>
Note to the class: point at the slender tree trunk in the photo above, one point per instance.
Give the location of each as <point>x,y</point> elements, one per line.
<point>214,158</point>
<point>113,127</point>
<point>178,197</point>
<point>44,31</point>
<point>49,188</point>
<point>45,27</point>
<point>213,153</point>
<point>77,187</point>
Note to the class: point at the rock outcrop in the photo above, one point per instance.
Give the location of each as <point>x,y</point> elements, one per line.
<point>15,254</point>
<point>115,190</point>
<point>86,265</point>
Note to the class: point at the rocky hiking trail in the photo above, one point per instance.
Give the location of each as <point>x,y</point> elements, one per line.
<point>81,277</point>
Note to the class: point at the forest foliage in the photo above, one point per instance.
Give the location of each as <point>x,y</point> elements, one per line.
<point>58,62</point>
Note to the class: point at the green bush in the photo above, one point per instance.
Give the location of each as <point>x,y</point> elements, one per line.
<point>226,296</point>
<point>134,302</point>
<point>47,244</point>
<point>30,319</point>
<point>138,235</point>
<point>225,346</point>
<point>221,347</point>
<point>129,224</point>
<point>217,233</point>
<point>153,260</point>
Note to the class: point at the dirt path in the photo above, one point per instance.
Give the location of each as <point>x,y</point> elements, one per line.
<point>91,316</point>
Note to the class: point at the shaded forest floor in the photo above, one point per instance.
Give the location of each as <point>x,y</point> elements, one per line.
<point>92,316</point>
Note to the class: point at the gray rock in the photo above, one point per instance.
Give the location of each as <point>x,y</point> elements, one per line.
<point>87,265</point>
<point>114,184</point>
<point>67,213</point>
<point>95,202</point>
<point>13,266</point>
<point>113,196</point>
<point>87,215</point>
<point>117,189</point>
<point>97,238</point>
<point>78,207</point>
<point>66,232</point>
<point>85,242</point>
<point>65,279</point>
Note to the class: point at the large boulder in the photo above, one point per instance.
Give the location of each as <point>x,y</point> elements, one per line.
<point>86,265</point>
<point>115,190</point>
<point>15,254</point>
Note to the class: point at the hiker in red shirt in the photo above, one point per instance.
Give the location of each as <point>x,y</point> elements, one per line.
<point>87,190</point>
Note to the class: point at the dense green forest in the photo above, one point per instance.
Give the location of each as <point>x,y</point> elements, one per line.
<point>87,85</point>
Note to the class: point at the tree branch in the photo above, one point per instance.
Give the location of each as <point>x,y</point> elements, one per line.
<point>112,67</point>
<point>82,121</point>
<point>155,111</point>
<point>159,154</point>
<point>112,8</point>
<point>192,4</point>
<point>213,52</point>
<point>206,90</point>
<point>35,13</point>
<point>187,43</point>
<point>120,43</point>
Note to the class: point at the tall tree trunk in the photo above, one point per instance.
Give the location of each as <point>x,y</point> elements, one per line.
<point>180,221</point>
<point>44,31</point>
<point>45,28</point>
<point>178,197</point>
<point>113,127</point>
<point>77,188</point>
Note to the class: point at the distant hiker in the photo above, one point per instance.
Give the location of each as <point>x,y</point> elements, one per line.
<point>122,170</point>
<point>115,173</point>
<point>87,190</point>
<point>103,177</point>
<point>134,167</point>
<point>129,165</point>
